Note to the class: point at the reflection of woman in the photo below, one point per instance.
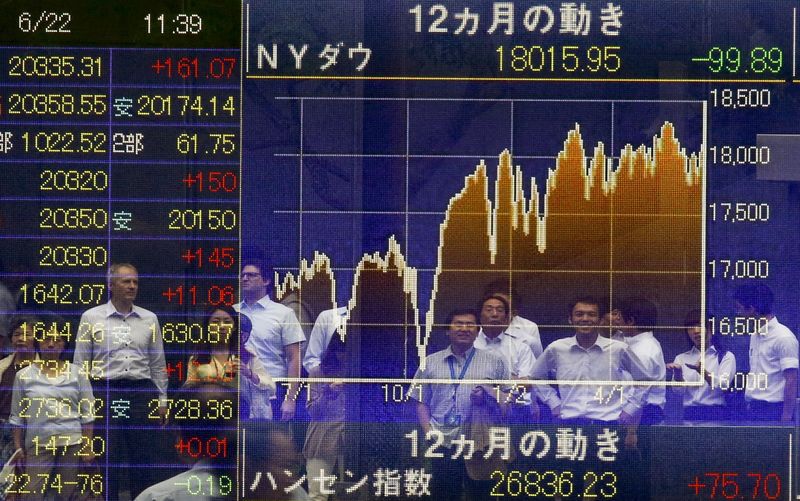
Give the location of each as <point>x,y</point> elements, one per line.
<point>23,352</point>
<point>52,407</point>
<point>326,407</point>
<point>706,402</point>
<point>218,361</point>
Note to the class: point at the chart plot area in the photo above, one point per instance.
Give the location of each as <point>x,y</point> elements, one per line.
<point>565,199</point>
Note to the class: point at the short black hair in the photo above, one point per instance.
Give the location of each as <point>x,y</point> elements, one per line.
<point>259,441</point>
<point>638,309</point>
<point>462,311</point>
<point>756,295</point>
<point>586,300</point>
<point>497,297</point>
<point>263,267</point>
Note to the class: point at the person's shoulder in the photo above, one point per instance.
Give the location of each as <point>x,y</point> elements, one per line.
<point>144,313</point>
<point>97,311</point>
<point>562,344</point>
<point>781,331</point>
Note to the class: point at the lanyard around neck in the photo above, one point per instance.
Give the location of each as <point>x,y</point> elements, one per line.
<point>463,369</point>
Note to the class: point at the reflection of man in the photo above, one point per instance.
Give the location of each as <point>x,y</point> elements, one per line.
<point>518,357</point>
<point>276,336</point>
<point>638,316</point>
<point>324,328</point>
<point>121,345</point>
<point>523,329</point>
<point>447,407</point>
<point>586,356</point>
<point>774,352</point>
<point>272,463</point>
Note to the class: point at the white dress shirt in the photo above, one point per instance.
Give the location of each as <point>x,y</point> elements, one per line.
<point>274,327</point>
<point>325,326</point>
<point>527,332</point>
<point>771,354</point>
<point>606,360</point>
<point>723,371</point>
<point>519,359</point>
<point>36,395</point>
<point>125,346</point>
<point>649,351</point>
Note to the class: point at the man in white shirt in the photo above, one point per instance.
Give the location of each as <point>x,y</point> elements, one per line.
<point>523,329</point>
<point>276,336</point>
<point>587,356</point>
<point>637,317</point>
<point>519,358</point>
<point>774,352</point>
<point>447,408</point>
<point>326,325</point>
<point>120,345</point>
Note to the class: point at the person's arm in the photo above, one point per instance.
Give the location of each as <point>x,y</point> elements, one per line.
<point>259,375</point>
<point>289,405</point>
<point>635,394</point>
<point>424,416</point>
<point>18,432</point>
<point>158,369</point>
<point>536,342</point>
<point>789,395</point>
<point>84,345</point>
<point>541,371</point>
<point>316,343</point>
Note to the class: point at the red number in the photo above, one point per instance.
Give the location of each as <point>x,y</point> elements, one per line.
<point>218,295</point>
<point>715,476</point>
<point>758,483</point>
<point>222,257</point>
<point>727,480</point>
<point>777,486</point>
<point>187,68</point>
<point>225,181</point>
<point>220,67</point>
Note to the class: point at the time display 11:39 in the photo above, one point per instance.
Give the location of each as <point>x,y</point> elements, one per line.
<point>179,24</point>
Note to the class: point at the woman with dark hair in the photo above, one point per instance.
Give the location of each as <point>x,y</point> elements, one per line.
<point>218,362</point>
<point>22,353</point>
<point>52,406</point>
<point>327,409</point>
<point>707,402</point>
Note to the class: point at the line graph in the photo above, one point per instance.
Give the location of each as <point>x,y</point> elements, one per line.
<point>556,220</point>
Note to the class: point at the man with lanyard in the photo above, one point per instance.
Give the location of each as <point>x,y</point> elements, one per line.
<point>445,408</point>
<point>120,345</point>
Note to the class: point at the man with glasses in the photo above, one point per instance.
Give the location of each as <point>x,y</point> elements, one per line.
<point>276,336</point>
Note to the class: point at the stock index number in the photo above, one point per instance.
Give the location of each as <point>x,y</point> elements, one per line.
<point>73,180</point>
<point>194,409</point>
<point>55,66</point>
<point>567,58</point>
